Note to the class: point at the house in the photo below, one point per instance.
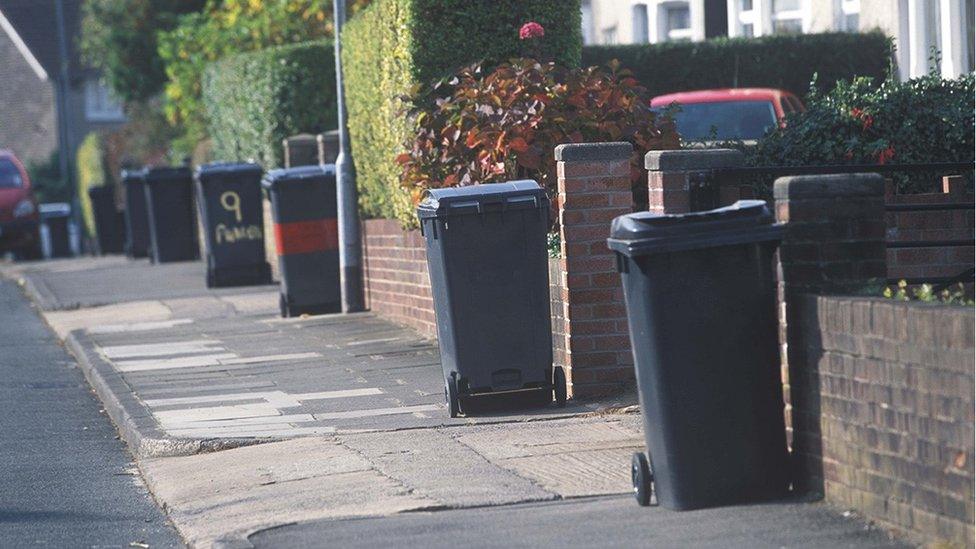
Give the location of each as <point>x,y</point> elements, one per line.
<point>917,26</point>
<point>50,79</point>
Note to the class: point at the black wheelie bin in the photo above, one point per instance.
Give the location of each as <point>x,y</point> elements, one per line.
<point>136,214</point>
<point>109,221</point>
<point>306,232</point>
<point>172,223</point>
<point>486,254</point>
<point>229,199</point>
<point>700,292</point>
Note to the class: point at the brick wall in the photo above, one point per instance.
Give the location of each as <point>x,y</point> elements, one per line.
<point>396,283</point>
<point>916,263</point>
<point>895,384</point>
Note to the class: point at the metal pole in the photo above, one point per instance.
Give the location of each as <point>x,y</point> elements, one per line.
<point>350,247</point>
<point>65,156</point>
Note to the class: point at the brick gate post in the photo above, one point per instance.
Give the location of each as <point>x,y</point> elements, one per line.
<point>671,177</point>
<point>590,335</point>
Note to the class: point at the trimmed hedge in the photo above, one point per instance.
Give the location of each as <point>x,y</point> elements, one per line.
<point>395,47</point>
<point>256,99</point>
<point>788,62</point>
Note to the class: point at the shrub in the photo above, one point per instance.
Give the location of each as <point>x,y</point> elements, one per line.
<point>120,39</point>
<point>787,61</point>
<point>254,100</point>
<point>923,120</point>
<point>483,127</point>
<point>46,179</point>
<point>394,47</point>
<point>90,168</point>
<point>223,28</point>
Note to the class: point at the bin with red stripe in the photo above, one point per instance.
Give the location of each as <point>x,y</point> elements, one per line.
<point>306,233</point>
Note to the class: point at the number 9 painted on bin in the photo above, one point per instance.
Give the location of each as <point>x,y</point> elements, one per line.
<point>231,202</point>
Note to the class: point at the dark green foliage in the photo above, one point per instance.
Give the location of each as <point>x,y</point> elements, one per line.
<point>47,181</point>
<point>923,120</point>
<point>787,62</point>
<point>395,47</point>
<point>254,100</point>
<point>120,39</point>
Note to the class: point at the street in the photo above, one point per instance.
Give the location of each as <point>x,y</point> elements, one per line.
<point>67,481</point>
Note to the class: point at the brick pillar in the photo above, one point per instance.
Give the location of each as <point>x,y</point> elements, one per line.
<point>300,150</point>
<point>673,175</point>
<point>328,144</point>
<point>593,344</point>
<point>834,243</point>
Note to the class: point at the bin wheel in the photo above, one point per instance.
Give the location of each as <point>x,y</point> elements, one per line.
<point>559,386</point>
<point>641,477</point>
<point>451,396</point>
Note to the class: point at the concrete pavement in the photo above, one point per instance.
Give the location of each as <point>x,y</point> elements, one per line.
<point>245,423</point>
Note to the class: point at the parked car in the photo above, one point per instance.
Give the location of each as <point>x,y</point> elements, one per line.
<point>19,217</point>
<point>729,114</point>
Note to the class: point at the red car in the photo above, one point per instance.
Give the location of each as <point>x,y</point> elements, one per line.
<point>734,113</point>
<point>19,219</point>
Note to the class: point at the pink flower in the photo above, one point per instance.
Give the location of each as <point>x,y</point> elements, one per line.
<point>531,30</point>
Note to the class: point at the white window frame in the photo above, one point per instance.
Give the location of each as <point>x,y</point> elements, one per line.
<point>844,9</point>
<point>801,14</point>
<point>610,36</point>
<point>640,23</point>
<point>666,34</point>
<point>742,18</point>
<point>100,106</point>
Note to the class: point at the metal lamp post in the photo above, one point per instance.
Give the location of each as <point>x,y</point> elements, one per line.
<point>350,247</point>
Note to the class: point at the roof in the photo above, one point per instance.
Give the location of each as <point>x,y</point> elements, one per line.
<point>717,95</point>
<point>32,26</point>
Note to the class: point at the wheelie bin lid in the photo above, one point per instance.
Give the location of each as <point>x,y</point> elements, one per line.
<point>274,178</point>
<point>159,174</point>
<point>645,233</point>
<point>54,209</point>
<point>522,194</point>
<point>218,169</point>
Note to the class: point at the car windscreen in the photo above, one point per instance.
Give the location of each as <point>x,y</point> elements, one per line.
<point>730,120</point>
<point>9,175</point>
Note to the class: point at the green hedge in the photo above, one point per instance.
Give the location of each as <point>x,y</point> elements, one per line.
<point>256,99</point>
<point>786,62</point>
<point>395,46</point>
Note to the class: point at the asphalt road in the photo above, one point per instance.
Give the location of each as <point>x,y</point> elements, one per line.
<point>593,522</point>
<point>66,479</point>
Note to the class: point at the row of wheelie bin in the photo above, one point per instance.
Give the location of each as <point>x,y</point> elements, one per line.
<point>701,304</point>
<point>160,223</point>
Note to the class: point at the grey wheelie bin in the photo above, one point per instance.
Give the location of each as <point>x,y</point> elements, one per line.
<point>306,232</point>
<point>172,223</point>
<point>136,215</point>
<point>229,199</point>
<point>486,254</point>
<point>109,221</point>
<point>700,293</point>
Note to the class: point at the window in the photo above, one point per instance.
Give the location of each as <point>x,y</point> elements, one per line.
<point>787,16</point>
<point>9,175</point>
<point>748,18</point>
<point>100,105</point>
<point>587,23</point>
<point>610,35</point>
<point>725,120</point>
<point>674,21</point>
<point>641,30</point>
<point>849,16</point>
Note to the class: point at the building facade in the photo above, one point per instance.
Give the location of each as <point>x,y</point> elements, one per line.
<point>928,34</point>
<point>76,95</point>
